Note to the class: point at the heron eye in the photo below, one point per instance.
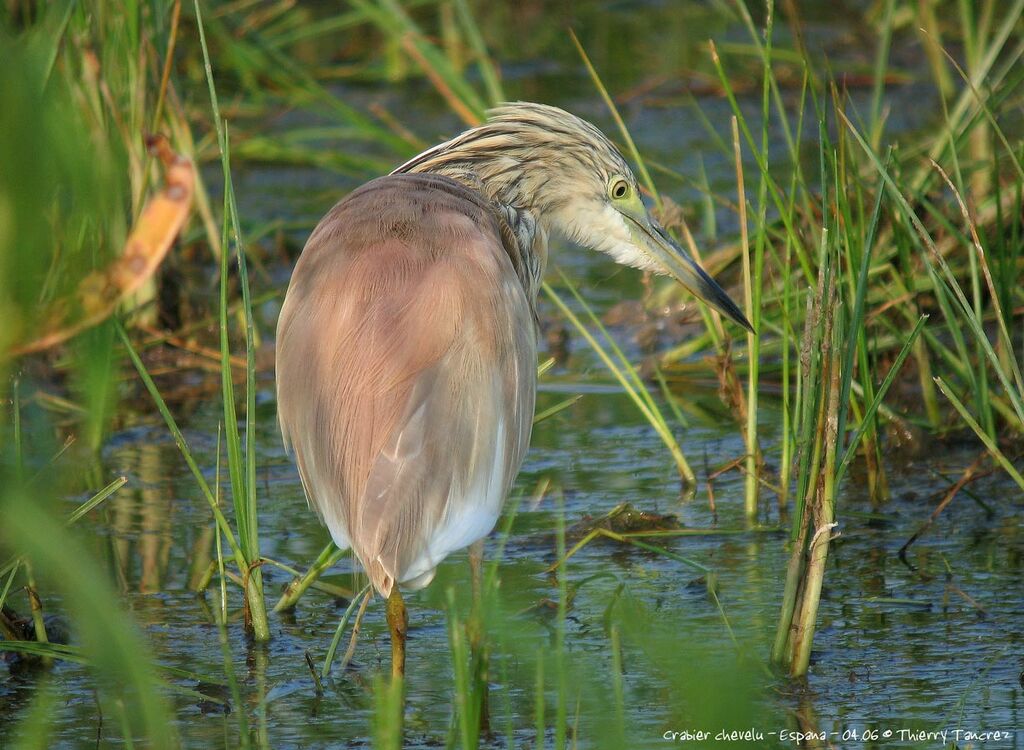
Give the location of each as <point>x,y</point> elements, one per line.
<point>619,189</point>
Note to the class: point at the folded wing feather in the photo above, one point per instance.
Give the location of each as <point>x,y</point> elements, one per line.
<point>406,360</point>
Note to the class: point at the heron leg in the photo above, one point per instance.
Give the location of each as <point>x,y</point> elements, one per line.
<point>398,622</point>
<point>475,631</point>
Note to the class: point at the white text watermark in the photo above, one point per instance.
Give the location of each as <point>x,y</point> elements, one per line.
<point>797,737</point>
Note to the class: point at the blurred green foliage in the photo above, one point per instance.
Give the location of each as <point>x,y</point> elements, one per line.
<point>65,204</point>
<point>61,189</point>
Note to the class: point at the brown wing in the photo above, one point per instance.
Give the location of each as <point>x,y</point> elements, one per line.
<point>406,359</point>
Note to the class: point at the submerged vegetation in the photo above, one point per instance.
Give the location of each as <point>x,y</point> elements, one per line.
<point>878,252</point>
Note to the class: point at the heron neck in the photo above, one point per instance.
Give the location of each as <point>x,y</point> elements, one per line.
<point>530,254</point>
<point>527,239</point>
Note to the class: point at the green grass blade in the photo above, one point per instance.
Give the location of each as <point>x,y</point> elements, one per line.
<point>630,382</point>
<point>983,436</point>
<point>869,413</point>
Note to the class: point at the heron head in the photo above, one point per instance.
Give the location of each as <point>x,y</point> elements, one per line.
<point>576,183</point>
<point>617,222</point>
<point>588,193</point>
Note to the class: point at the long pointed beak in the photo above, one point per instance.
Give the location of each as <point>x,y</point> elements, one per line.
<point>666,255</point>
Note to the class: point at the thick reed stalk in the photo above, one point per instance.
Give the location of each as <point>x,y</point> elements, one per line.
<point>820,515</point>
<point>818,365</point>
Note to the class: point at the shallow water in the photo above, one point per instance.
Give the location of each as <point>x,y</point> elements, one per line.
<point>936,648</point>
<point>895,650</point>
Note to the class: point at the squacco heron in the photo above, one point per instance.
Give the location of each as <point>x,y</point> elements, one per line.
<point>407,342</point>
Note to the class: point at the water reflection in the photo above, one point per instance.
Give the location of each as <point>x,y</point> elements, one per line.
<point>139,519</point>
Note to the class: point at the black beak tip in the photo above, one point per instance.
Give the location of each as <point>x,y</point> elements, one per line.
<point>732,310</point>
<point>717,297</point>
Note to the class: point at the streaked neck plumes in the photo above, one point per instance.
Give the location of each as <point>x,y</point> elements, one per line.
<point>537,164</point>
<point>526,155</point>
